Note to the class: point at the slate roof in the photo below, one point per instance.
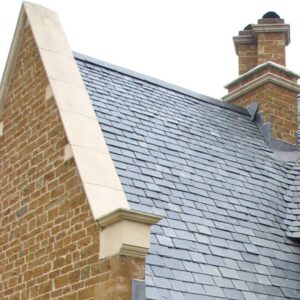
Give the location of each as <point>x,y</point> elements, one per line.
<point>203,165</point>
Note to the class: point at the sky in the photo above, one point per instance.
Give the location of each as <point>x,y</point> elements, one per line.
<point>183,42</point>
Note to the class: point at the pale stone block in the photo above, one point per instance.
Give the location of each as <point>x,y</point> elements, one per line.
<point>126,232</point>
<point>26,23</point>
<point>72,98</point>
<point>126,235</point>
<point>83,131</point>
<point>49,93</point>
<point>68,153</point>
<point>47,30</point>
<point>96,167</point>
<point>61,67</point>
<point>104,199</point>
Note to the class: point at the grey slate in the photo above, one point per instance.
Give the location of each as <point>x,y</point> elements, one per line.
<point>231,210</point>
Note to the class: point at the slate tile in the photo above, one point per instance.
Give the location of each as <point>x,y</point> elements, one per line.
<point>197,257</point>
<point>229,273</point>
<point>162,272</point>
<point>251,248</point>
<point>180,254</point>
<point>165,241</point>
<point>203,239</point>
<point>195,288</point>
<point>203,279</point>
<point>201,248</point>
<point>231,263</point>
<point>292,293</point>
<point>184,234</point>
<point>223,282</point>
<point>177,295</point>
<point>172,263</point>
<point>192,267</point>
<point>250,296</point>
<point>178,285</point>
<point>240,285</point>
<point>233,294</point>
<point>152,293</point>
<point>162,282</point>
<point>214,260</point>
<point>203,229</point>
<point>273,290</point>
<point>210,270</point>
<point>183,276</point>
<point>247,276</point>
<point>251,257</point>
<point>154,260</point>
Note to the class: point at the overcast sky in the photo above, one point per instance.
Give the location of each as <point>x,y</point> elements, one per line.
<point>184,42</point>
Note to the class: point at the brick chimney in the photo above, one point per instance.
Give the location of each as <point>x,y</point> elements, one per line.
<point>265,80</point>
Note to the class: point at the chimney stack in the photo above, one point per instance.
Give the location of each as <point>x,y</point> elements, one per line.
<point>265,80</point>
<point>262,42</point>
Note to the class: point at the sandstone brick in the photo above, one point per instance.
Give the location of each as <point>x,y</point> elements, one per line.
<point>61,281</point>
<point>86,293</point>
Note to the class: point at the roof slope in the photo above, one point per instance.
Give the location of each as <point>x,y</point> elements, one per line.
<point>206,169</point>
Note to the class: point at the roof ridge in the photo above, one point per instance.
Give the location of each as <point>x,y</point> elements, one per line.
<point>161,83</point>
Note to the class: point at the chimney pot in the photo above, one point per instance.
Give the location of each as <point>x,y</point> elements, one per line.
<point>271,15</point>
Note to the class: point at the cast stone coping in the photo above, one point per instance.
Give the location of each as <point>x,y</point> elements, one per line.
<point>260,67</point>
<point>266,78</point>
<point>243,39</point>
<point>269,28</point>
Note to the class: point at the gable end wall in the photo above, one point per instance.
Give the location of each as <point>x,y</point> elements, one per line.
<point>49,240</point>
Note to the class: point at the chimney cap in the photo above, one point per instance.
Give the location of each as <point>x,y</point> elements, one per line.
<point>271,15</point>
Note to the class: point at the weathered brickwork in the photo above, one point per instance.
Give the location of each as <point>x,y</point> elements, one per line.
<point>271,47</point>
<point>49,241</point>
<point>279,106</point>
<point>116,272</point>
<point>247,54</point>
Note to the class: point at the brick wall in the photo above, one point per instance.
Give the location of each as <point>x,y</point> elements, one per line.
<point>271,47</point>
<point>49,241</point>
<point>279,106</point>
<point>247,54</point>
